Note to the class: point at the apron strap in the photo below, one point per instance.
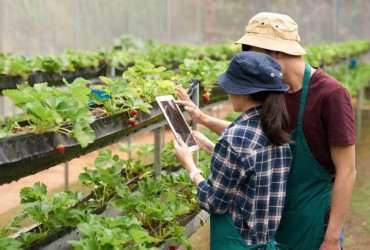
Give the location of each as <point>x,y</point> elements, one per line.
<point>306,82</point>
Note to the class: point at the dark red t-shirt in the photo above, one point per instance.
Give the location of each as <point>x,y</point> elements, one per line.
<point>328,116</point>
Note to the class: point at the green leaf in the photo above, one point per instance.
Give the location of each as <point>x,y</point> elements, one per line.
<point>85,244</point>
<point>142,236</point>
<point>37,193</point>
<point>103,158</point>
<point>81,93</point>
<point>10,244</point>
<point>41,112</point>
<point>145,107</point>
<point>83,133</point>
<point>17,96</point>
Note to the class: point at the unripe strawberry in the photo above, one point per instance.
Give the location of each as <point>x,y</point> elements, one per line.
<point>60,149</point>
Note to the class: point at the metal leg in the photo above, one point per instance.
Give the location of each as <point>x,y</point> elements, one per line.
<point>2,106</point>
<point>66,176</point>
<point>157,151</point>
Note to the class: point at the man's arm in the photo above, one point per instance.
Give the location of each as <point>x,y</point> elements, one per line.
<point>344,161</point>
<point>214,124</point>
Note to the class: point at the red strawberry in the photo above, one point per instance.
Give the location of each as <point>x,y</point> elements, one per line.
<point>135,113</point>
<point>206,98</point>
<point>132,122</point>
<point>60,149</point>
<point>172,247</point>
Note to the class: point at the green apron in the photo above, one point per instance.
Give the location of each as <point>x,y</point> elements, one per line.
<point>225,236</point>
<point>308,191</point>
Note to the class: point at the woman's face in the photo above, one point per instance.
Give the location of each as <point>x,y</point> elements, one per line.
<point>237,101</point>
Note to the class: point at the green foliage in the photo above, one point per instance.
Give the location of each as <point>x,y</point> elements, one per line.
<point>353,79</point>
<point>76,59</point>
<point>15,65</point>
<point>10,243</point>
<point>150,81</point>
<point>51,109</point>
<point>50,64</point>
<point>206,71</point>
<point>330,53</point>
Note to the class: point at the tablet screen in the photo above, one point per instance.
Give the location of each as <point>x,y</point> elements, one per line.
<point>176,121</point>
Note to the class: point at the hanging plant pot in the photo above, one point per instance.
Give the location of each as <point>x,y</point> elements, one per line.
<point>49,77</point>
<point>9,82</point>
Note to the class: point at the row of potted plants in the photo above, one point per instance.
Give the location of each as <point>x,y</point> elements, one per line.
<point>147,212</point>
<point>59,125</point>
<point>67,124</point>
<point>15,69</point>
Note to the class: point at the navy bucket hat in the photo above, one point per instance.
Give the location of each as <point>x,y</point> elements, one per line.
<point>252,72</point>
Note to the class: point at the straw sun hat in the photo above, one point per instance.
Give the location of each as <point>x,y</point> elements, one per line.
<point>273,31</point>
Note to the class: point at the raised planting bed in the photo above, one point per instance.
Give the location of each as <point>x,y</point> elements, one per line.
<point>52,78</point>
<point>28,154</point>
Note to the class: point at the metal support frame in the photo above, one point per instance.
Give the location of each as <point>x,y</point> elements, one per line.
<point>66,176</point>
<point>2,106</point>
<point>157,151</point>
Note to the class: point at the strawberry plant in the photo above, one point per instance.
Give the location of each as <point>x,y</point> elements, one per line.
<point>17,65</point>
<point>118,232</point>
<point>151,215</point>
<point>150,81</point>
<point>10,243</point>
<point>104,178</point>
<point>47,63</point>
<point>123,98</point>
<point>75,59</point>
<point>206,71</point>
<point>157,213</point>
<point>51,214</point>
<point>51,109</point>
<point>353,79</point>
<point>7,129</point>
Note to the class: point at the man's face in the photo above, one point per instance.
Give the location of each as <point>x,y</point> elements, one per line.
<point>273,54</point>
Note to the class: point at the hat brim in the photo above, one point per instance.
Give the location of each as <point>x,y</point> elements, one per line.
<point>275,44</point>
<point>234,87</point>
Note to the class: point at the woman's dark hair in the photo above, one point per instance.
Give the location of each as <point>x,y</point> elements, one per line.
<point>274,117</point>
<point>246,47</point>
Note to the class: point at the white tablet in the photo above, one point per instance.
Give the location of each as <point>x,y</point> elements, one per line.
<point>176,120</point>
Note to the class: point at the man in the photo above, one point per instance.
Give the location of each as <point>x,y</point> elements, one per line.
<point>323,172</point>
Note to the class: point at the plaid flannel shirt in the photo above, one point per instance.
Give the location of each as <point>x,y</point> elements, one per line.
<point>248,179</point>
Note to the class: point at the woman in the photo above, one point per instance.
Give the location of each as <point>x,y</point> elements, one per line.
<point>250,163</point>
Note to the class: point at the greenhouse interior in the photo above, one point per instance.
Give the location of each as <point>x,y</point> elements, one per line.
<point>196,124</point>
